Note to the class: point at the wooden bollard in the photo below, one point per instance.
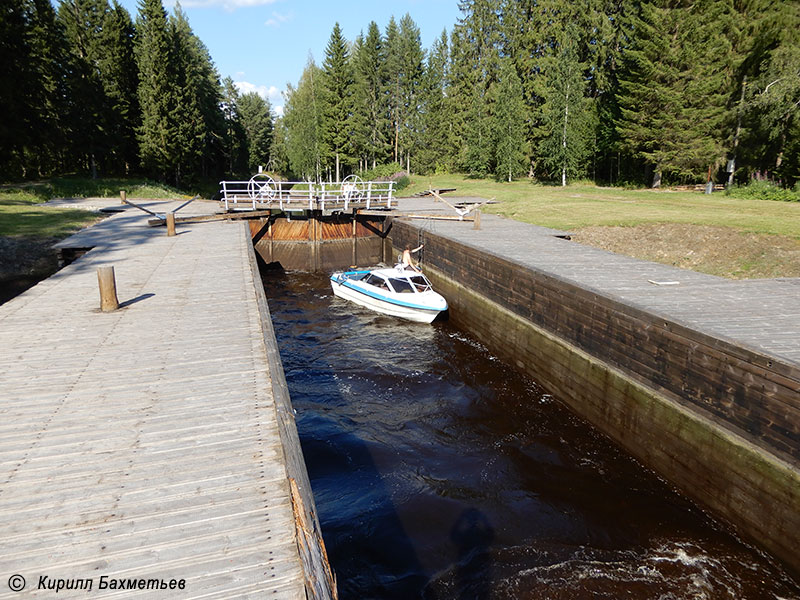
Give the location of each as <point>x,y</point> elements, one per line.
<point>108,289</point>
<point>123,195</point>
<point>476,224</point>
<point>170,223</point>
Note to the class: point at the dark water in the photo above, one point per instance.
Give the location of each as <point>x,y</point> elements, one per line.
<point>438,472</point>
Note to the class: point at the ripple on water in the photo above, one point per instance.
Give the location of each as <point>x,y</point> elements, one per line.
<point>439,473</point>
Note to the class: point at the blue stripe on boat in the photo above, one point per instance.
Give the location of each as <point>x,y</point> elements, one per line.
<point>349,285</point>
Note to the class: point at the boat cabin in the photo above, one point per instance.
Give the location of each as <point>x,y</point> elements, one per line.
<point>399,282</point>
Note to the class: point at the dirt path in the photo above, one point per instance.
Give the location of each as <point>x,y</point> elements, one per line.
<point>715,250</point>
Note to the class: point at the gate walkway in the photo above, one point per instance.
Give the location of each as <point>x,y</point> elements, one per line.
<point>143,444</point>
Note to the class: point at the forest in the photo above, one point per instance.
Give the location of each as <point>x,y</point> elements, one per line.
<point>618,92</point>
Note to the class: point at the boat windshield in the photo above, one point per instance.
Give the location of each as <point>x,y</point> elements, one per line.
<point>422,284</point>
<point>401,286</point>
<point>373,279</point>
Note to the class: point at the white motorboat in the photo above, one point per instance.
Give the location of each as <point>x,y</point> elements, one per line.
<point>397,291</point>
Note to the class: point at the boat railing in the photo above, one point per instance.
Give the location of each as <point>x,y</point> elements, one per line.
<point>262,191</point>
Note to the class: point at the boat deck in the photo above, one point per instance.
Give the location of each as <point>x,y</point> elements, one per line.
<point>143,444</point>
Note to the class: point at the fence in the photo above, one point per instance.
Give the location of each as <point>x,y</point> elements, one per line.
<point>261,190</point>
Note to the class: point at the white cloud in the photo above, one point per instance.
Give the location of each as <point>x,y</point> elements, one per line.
<point>277,18</point>
<point>230,5</point>
<point>270,93</point>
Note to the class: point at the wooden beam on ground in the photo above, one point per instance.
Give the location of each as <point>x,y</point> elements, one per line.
<point>147,210</point>
<point>213,217</point>
<point>187,202</point>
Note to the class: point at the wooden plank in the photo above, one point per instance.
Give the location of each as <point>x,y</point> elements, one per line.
<point>128,447</point>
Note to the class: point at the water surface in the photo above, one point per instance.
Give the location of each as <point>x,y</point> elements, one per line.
<point>439,472</point>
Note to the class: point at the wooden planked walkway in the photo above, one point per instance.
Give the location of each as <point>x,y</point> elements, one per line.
<point>763,315</point>
<point>143,443</point>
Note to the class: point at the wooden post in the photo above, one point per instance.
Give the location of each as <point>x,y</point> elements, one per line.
<point>354,231</point>
<point>170,223</point>
<point>476,224</point>
<point>123,196</point>
<point>108,289</point>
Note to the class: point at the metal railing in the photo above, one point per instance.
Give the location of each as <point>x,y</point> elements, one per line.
<point>262,190</point>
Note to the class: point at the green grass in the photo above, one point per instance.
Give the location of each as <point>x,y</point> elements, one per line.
<point>21,213</point>
<point>583,205</point>
<point>84,187</point>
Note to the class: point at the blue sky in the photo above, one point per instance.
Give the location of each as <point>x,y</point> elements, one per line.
<point>264,44</point>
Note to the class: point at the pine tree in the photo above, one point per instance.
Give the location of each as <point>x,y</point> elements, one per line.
<point>338,99</point>
<point>256,116</point>
<point>509,124</point>
<point>156,91</point>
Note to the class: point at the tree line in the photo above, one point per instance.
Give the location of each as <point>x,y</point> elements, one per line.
<point>85,88</point>
<point>610,90</point>
<point>617,91</point>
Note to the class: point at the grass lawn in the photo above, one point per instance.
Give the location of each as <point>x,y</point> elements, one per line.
<point>22,216</point>
<point>578,206</point>
<point>621,219</point>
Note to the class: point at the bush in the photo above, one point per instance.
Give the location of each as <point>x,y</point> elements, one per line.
<point>402,182</point>
<point>764,190</point>
<point>387,172</point>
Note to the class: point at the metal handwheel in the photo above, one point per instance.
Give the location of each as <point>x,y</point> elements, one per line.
<point>261,187</point>
<point>353,187</point>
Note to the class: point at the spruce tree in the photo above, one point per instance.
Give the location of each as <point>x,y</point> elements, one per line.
<point>393,96</point>
<point>235,143</point>
<point>370,122</point>
<point>509,124</point>
<point>157,93</point>
<point>18,84</point>
<point>257,122</point>
<point>186,118</point>
<point>773,96</point>
<point>563,145</point>
<point>196,116</point>
<point>478,49</point>
<point>410,63</point>
<point>120,80</point>
<point>90,111</point>
<point>47,148</point>
<point>434,120</point>
<point>338,100</point>
<point>673,87</point>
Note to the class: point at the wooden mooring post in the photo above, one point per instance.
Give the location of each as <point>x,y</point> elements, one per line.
<point>170,223</point>
<point>476,224</point>
<point>108,289</point>
<point>123,196</point>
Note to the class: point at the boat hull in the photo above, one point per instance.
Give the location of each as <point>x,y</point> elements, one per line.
<point>348,291</point>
